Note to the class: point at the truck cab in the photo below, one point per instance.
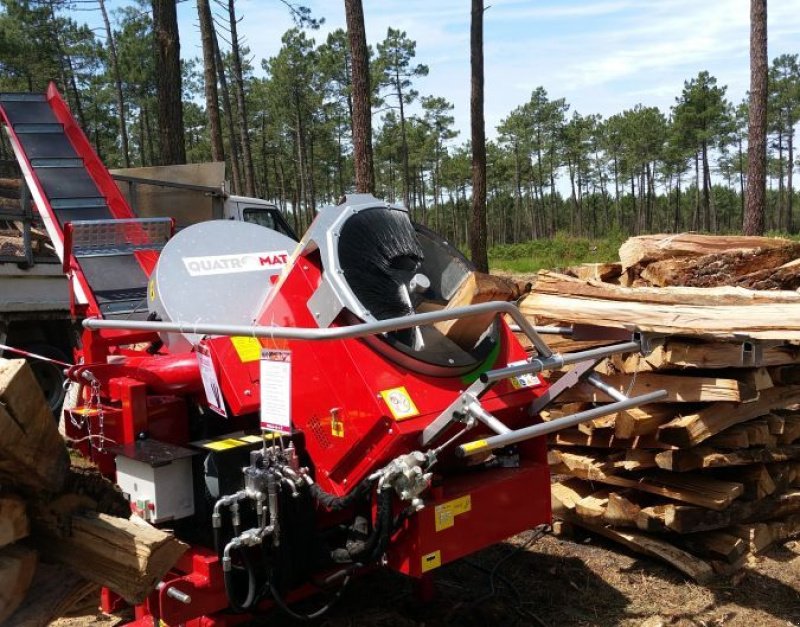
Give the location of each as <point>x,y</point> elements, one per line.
<point>257,211</point>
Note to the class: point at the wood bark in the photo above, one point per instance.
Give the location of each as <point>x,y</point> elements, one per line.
<point>210,80</point>
<point>362,110</point>
<point>168,83</point>
<point>757,134</point>
<point>236,175</point>
<point>478,225</point>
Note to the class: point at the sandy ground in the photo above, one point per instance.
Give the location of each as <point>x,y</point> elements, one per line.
<point>555,582</point>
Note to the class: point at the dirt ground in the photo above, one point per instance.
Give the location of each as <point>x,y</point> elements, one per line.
<point>555,582</point>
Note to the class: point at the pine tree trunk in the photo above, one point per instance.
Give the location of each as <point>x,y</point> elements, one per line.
<point>478,225</point>
<point>112,52</point>
<point>236,174</point>
<point>238,79</point>
<point>362,110</point>
<point>757,137</point>
<point>789,183</point>
<point>210,80</point>
<point>168,82</point>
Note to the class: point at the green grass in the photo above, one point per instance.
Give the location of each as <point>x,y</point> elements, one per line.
<point>559,252</point>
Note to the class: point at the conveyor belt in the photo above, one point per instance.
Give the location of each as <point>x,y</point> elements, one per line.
<point>117,282</point>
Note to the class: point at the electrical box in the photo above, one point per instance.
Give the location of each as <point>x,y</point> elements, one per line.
<point>157,479</point>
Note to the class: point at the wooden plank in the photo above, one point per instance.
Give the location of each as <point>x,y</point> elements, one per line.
<point>791,428</point>
<point>705,457</point>
<point>17,567</point>
<point>565,495</point>
<point>605,439</point>
<point>735,437</point>
<point>639,542</point>
<point>757,480</point>
<point>682,354</point>
<point>645,249</point>
<point>13,520</point>
<point>695,428</point>
<point>33,456</point>
<point>691,488</point>
<point>757,535</point>
<point>548,282</point>
<point>779,321</point>
<point>679,388</point>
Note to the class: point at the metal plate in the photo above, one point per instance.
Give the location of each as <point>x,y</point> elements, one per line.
<point>29,113</point>
<point>46,145</point>
<point>67,183</point>
<point>204,275</point>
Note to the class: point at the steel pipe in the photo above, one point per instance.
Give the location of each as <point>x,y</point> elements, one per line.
<point>543,428</point>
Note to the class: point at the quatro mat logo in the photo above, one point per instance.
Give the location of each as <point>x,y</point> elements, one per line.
<point>230,264</point>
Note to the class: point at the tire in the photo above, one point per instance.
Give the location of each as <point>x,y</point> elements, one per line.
<point>50,376</point>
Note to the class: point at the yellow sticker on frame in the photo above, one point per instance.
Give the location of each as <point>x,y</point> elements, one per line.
<point>248,348</point>
<point>431,561</point>
<point>445,514</point>
<point>399,402</point>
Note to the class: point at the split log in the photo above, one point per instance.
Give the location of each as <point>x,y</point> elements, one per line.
<point>606,272</point>
<point>643,420</point>
<point>33,456</point>
<point>785,277</point>
<point>722,268</point>
<point>593,506</point>
<point>548,282</point>
<point>476,288</point>
<point>691,519</point>
<point>779,321</point>
<point>717,545</point>
<point>127,555</point>
<point>706,457</point>
<point>57,591</point>
<point>17,567</point>
<point>643,250</point>
<point>606,439</point>
<point>13,520</point>
<point>695,428</point>
<point>707,355</point>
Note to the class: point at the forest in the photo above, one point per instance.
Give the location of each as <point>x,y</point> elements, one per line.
<point>283,125</point>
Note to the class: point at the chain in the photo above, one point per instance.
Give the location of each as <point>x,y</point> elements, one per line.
<point>97,407</point>
<point>94,407</point>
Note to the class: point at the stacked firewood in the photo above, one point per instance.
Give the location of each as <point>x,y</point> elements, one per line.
<point>711,474</point>
<point>11,227</point>
<point>59,511</point>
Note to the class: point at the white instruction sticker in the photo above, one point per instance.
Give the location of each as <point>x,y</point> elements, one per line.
<point>276,390</point>
<point>210,381</point>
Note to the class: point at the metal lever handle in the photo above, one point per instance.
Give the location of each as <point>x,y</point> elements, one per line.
<point>526,433</point>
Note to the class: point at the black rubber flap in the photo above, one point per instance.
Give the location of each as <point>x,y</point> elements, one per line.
<point>118,282</point>
<point>379,253</point>
<point>29,113</point>
<point>67,183</point>
<point>83,213</point>
<point>47,146</point>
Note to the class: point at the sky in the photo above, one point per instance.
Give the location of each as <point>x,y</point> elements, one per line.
<point>603,56</point>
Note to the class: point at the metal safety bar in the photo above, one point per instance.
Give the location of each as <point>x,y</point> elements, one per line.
<point>543,428</point>
<point>362,329</point>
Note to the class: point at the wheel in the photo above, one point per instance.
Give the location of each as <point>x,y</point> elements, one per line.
<point>50,376</point>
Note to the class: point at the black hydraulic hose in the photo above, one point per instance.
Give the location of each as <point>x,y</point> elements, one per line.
<point>307,618</point>
<point>338,503</point>
<point>250,600</point>
<point>375,545</point>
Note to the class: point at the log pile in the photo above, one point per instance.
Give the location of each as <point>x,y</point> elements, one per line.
<point>11,230</point>
<point>709,476</point>
<point>62,511</point>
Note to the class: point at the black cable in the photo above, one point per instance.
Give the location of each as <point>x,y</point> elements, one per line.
<point>251,598</point>
<point>335,503</point>
<point>307,618</point>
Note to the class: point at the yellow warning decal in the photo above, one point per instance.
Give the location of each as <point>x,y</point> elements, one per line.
<point>337,426</point>
<point>223,445</point>
<point>399,402</point>
<point>252,439</point>
<point>473,447</point>
<point>431,561</point>
<point>445,514</point>
<point>248,348</point>
<point>152,290</point>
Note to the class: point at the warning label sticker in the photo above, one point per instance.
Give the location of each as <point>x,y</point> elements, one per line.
<point>248,348</point>
<point>399,402</point>
<point>445,514</point>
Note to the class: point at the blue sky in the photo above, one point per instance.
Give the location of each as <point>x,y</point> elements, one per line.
<point>602,56</point>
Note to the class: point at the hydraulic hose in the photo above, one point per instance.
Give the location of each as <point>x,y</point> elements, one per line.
<point>230,585</point>
<point>338,503</point>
